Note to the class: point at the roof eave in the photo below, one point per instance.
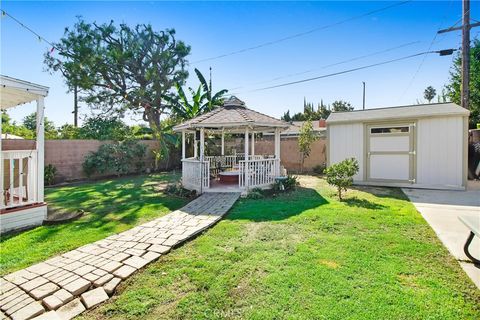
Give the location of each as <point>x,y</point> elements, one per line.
<point>464,113</point>
<point>6,81</point>
<point>227,125</point>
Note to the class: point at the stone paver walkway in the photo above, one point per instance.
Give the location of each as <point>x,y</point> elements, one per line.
<point>65,286</point>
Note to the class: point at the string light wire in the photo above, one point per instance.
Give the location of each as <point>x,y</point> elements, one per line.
<point>40,37</point>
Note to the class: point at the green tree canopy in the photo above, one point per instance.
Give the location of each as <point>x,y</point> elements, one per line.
<point>30,122</point>
<point>341,106</point>
<point>120,68</point>
<point>429,93</point>
<point>322,111</point>
<point>286,116</point>
<point>105,129</point>
<point>453,88</point>
<point>68,131</point>
<point>10,127</point>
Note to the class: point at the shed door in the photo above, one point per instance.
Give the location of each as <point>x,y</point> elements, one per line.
<point>391,152</point>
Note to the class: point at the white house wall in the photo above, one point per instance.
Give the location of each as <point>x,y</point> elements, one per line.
<point>440,153</point>
<point>21,219</point>
<point>346,141</point>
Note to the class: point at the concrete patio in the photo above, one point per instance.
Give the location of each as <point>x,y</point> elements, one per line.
<point>441,210</point>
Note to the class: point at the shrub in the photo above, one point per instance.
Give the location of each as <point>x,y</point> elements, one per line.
<point>255,193</point>
<point>288,184</point>
<point>319,169</point>
<point>341,174</point>
<point>49,174</point>
<point>176,189</point>
<point>305,140</point>
<point>116,158</point>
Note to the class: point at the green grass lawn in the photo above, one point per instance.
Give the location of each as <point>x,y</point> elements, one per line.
<point>110,206</point>
<point>305,255</point>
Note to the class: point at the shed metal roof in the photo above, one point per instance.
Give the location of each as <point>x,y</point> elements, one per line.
<point>396,113</point>
<point>233,114</point>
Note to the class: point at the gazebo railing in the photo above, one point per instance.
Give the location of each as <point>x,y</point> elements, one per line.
<point>231,161</point>
<point>195,174</point>
<point>258,173</point>
<point>224,161</point>
<point>19,178</point>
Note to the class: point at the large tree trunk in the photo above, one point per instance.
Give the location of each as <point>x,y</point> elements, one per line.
<point>152,116</point>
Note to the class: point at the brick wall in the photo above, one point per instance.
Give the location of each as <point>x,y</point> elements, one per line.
<point>290,155</point>
<point>68,155</point>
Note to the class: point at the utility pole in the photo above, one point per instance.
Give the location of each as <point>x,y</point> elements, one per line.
<point>466,55</point>
<point>466,27</point>
<point>75,106</point>
<point>363,95</point>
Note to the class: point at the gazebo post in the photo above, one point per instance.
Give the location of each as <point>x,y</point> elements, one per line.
<point>40,148</point>
<point>195,145</point>
<point>223,141</point>
<point>202,144</point>
<point>202,156</point>
<point>183,144</point>
<point>277,151</point>
<point>246,158</point>
<point>253,144</point>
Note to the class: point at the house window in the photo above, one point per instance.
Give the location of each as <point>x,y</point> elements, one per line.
<point>386,130</point>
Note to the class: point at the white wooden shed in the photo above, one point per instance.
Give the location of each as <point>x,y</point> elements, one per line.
<point>418,146</point>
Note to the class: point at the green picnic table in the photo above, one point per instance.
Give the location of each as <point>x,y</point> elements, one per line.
<point>473,224</point>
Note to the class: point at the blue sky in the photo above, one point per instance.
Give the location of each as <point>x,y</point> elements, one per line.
<point>215,28</point>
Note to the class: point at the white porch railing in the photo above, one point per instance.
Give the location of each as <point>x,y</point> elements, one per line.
<point>195,174</point>
<point>258,173</point>
<point>19,181</point>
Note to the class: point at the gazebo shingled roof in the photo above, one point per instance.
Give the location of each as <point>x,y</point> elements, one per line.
<point>233,114</point>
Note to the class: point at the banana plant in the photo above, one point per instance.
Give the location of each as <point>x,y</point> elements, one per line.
<point>212,101</point>
<point>201,100</point>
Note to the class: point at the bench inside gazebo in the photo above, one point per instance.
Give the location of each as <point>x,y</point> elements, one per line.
<point>237,171</point>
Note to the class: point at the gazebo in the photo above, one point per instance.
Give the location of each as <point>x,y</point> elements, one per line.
<point>236,171</point>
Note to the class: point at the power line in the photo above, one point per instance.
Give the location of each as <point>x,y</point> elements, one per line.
<point>345,71</point>
<point>341,62</point>
<point>425,56</point>
<point>301,34</point>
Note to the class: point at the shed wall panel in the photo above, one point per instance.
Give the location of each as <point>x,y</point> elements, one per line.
<point>440,151</point>
<point>346,141</point>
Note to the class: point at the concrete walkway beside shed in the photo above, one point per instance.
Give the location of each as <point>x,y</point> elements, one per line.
<point>64,286</point>
<point>441,210</point>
